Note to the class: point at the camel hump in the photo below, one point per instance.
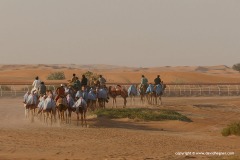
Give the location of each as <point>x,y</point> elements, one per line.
<point>118,87</point>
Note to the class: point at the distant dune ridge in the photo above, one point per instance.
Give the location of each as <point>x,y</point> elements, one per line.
<point>123,74</point>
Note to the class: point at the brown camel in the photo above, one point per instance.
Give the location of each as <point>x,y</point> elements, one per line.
<point>118,91</point>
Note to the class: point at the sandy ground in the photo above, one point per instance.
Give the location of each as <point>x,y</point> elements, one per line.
<point>119,74</point>
<point>110,139</point>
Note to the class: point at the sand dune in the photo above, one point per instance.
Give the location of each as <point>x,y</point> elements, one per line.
<point>178,74</point>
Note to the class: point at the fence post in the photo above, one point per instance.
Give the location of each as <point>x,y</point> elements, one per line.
<point>180,90</point>
<point>228,90</point>
<point>237,90</point>
<point>200,89</point>
<point>184,89</point>
<point>209,90</point>
<point>169,90</point>
<point>1,89</point>
<point>190,90</point>
<point>13,90</point>
<point>219,90</point>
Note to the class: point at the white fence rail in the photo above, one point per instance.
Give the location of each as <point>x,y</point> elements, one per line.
<point>171,89</point>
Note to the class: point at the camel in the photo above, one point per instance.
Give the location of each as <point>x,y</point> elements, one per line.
<point>142,91</point>
<point>102,96</point>
<point>159,90</point>
<point>70,102</point>
<point>30,104</point>
<point>62,107</point>
<point>92,99</point>
<point>132,93</point>
<point>155,95</point>
<point>49,109</point>
<point>80,106</point>
<point>118,91</point>
<point>150,93</point>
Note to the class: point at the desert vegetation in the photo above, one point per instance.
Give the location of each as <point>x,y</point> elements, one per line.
<point>56,76</point>
<point>142,114</point>
<point>232,129</point>
<point>236,67</point>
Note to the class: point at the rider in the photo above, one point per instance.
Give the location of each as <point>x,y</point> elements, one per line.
<point>102,81</point>
<point>144,81</point>
<point>36,84</point>
<point>77,84</point>
<point>157,80</point>
<point>42,89</point>
<point>72,81</point>
<point>84,81</point>
<point>73,78</point>
<point>82,93</point>
<point>60,92</point>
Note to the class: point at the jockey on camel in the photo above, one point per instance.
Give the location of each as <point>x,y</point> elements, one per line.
<point>60,91</point>
<point>144,81</point>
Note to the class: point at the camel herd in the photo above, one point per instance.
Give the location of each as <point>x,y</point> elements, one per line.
<point>49,109</point>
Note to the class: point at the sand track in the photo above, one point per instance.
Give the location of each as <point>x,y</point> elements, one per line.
<point>124,138</point>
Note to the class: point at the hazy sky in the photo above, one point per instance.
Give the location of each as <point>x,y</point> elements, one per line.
<point>139,33</point>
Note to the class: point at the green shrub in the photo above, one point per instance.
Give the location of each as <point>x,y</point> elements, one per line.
<point>89,75</point>
<point>56,76</point>
<point>232,129</point>
<point>6,88</point>
<point>142,114</point>
<point>236,67</point>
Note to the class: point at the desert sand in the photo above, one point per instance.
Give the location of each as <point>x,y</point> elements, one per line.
<point>119,74</point>
<point>119,139</point>
<point>122,138</point>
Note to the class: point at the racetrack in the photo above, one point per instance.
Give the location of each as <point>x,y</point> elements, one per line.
<point>123,138</point>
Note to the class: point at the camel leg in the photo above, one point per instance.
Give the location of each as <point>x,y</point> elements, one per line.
<point>95,105</point>
<point>132,100</point>
<point>70,116</point>
<point>160,99</point>
<point>77,118</point>
<point>85,118</point>
<point>58,112</point>
<point>82,119</point>
<point>47,117</point>
<point>143,99</point>
<point>61,116</point>
<point>101,104</point>
<point>44,117</point>
<point>26,113</point>
<point>115,101</point>
<point>54,115</point>
<point>65,115</point>
<point>51,117</point>
<point>125,102</point>
<point>32,115</point>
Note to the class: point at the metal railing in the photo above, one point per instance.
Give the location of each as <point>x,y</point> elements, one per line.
<point>172,89</point>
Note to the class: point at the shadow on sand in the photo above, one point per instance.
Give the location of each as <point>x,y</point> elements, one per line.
<point>103,122</point>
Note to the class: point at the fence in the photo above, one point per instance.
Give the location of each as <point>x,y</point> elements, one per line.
<point>172,90</point>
